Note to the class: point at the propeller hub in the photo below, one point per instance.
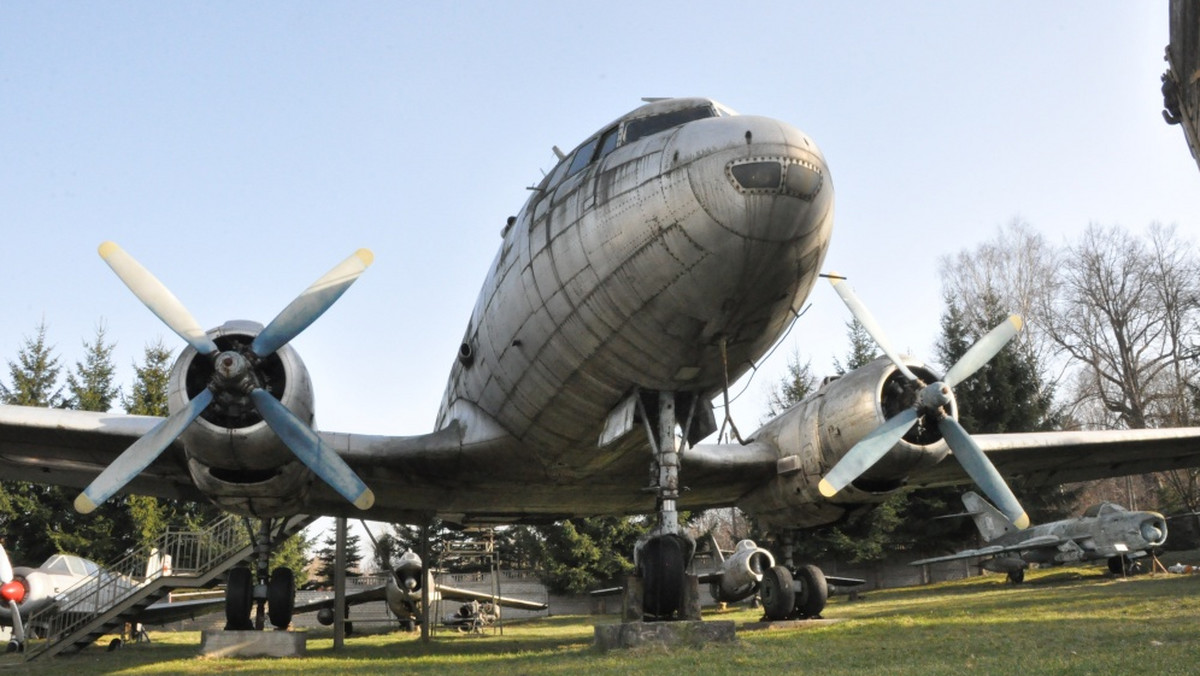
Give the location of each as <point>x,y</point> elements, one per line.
<point>13,591</point>
<point>935,396</point>
<point>234,371</point>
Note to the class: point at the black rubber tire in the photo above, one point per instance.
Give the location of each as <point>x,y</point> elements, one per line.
<point>778,595</point>
<point>1016,576</point>
<point>239,598</point>
<point>281,597</point>
<point>814,591</point>
<point>1117,565</point>
<point>662,568</point>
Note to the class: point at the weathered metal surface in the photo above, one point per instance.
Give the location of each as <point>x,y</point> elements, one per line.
<point>1181,82</point>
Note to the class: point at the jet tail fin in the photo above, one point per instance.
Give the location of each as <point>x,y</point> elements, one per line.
<point>989,520</point>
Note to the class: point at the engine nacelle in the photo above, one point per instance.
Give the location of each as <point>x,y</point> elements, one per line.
<point>815,433</point>
<point>234,457</point>
<point>741,572</point>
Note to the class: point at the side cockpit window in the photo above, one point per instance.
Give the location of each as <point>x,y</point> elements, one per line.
<point>653,124</point>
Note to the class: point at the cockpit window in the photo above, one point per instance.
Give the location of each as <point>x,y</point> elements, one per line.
<point>582,157</point>
<point>645,126</point>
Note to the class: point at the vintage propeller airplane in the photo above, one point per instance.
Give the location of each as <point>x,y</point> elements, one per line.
<point>648,270</point>
<point>25,591</point>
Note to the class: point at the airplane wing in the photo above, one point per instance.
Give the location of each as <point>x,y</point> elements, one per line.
<point>376,593</point>
<point>70,448</point>
<point>1051,458</point>
<point>163,613</point>
<point>1040,542</point>
<point>456,594</point>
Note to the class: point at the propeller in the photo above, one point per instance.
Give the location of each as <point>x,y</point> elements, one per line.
<point>12,593</point>
<point>234,372</point>
<point>931,401</point>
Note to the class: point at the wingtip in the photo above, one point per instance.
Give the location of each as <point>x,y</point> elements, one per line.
<point>826,488</point>
<point>84,504</point>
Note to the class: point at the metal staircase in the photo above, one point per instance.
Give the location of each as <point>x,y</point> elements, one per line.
<point>103,602</point>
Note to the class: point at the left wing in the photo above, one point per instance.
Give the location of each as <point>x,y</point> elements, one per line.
<point>1051,458</point>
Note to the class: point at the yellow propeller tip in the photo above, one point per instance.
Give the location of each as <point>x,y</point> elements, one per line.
<point>365,500</point>
<point>365,256</point>
<point>826,488</point>
<point>84,504</point>
<point>1017,321</point>
<point>107,249</point>
<point>1022,521</point>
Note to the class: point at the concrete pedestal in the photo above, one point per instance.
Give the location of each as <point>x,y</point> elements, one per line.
<point>691,634</point>
<point>220,643</point>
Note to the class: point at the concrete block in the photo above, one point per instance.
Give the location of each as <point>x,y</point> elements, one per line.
<point>221,643</point>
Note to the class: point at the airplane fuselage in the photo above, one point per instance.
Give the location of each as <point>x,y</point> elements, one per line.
<point>632,272</point>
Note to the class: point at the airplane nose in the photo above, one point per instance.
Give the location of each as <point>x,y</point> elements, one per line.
<point>755,177</point>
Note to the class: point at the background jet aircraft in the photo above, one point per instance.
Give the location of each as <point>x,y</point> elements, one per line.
<point>403,591</point>
<point>654,265</point>
<point>1105,531</point>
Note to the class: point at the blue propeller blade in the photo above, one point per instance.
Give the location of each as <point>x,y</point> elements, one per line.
<point>310,304</point>
<point>138,456</point>
<point>157,297</point>
<point>867,452</point>
<point>307,446</point>
<point>982,471</point>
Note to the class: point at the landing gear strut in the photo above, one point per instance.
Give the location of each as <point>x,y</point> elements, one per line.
<point>275,593</point>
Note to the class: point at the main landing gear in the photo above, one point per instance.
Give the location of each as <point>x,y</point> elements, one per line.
<point>791,592</point>
<point>275,593</point>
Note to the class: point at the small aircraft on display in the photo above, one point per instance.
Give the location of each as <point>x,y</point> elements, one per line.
<point>402,593</point>
<point>1105,532</point>
<point>652,267</point>
<point>26,591</point>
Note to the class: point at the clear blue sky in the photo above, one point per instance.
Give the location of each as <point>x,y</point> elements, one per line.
<point>239,150</point>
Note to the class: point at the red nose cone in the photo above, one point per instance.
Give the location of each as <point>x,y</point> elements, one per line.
<point>13,591</point>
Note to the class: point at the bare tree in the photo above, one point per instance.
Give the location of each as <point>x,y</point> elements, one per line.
<point>1122,308</point>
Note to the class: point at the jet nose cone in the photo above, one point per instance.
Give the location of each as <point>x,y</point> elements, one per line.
<point>1154,532</point>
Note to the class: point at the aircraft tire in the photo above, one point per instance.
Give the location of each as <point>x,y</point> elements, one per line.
<point>1117,565</point>
<point>14,646</point>
<point>663,568</point>
<point>778,594</point>
<point>281,597</point>
<point>814,591</point>
<point>1016,576</point>
<point>239,597</point>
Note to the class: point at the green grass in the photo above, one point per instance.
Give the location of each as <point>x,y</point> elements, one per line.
<point>1061,621</point>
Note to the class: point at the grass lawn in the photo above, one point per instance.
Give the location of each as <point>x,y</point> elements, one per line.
<point>1061,621</point>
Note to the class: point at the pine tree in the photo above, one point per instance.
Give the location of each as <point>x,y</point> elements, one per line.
<point>863,350</point>
<point>91,382</point>
<point>34,376</point>
<point>327,555</point>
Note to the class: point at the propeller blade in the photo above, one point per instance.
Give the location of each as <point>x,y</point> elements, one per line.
<point>864,317</point>
<point>18,627</point>
<point>6,569</point>
<point>138,456</point>
<point>308,447</point>
<point>982,471</point>
<point>983,350</point>
<point>867,452</point>
<point>312,303</point>
<point>157,297</point>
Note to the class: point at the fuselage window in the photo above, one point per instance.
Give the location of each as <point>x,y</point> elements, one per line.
<point>645,126</point>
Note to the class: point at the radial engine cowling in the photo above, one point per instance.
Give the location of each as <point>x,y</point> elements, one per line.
<point>813,435</point>
<point>234,457</point>
<point>741,572</point>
